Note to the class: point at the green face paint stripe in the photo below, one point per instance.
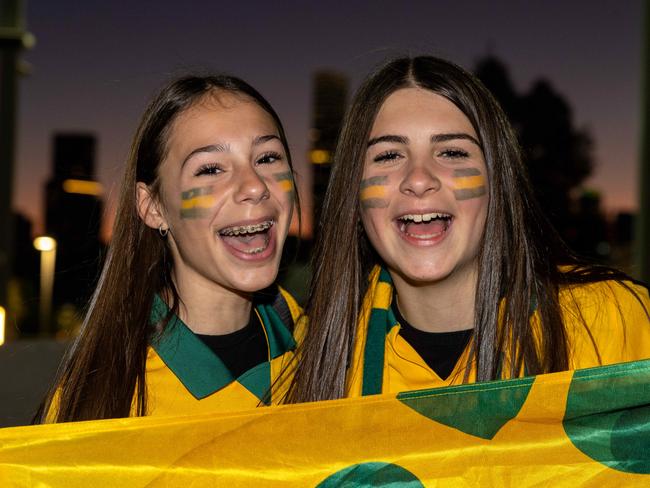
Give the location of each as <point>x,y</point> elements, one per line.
<point>466,172</point>
<point>373,181</point>
<point>196,192</point>
<point>467,193</point>
<point>189,213</point>
<point>287,175</point>
<point>374,203</point>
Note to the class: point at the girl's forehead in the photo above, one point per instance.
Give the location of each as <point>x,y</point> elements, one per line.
<point>417,108</point>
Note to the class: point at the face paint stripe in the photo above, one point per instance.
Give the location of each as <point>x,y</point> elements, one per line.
<point>195,192</point>
<point>373,192</point>
<point>198,202</point>
<point>469,182</point>
<point>467,193</point>
<point>283,176</point>
<point>195,212</point>
<point>285,180</point>
<point>373,181</point>
<point>374,203</point>
<point>466,172</point>
<point>286,185</point>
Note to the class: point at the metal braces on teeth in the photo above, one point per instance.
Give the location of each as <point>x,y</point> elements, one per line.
<point>247,229</point>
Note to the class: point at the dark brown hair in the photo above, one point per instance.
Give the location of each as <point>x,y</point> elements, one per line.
<point>103,374</point>
<point>518,258</point>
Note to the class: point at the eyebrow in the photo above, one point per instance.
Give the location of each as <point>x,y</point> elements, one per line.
<point>211,148</point>
<point>434,138</point>
<point>262,139</point>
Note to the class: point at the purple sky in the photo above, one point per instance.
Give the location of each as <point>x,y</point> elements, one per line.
<point>96,64</point>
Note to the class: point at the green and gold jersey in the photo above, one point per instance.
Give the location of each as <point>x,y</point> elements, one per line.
<point>383,362</point>
<point>184,376</point>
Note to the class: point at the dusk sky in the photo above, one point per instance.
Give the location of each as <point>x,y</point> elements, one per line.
<point>97,63</point>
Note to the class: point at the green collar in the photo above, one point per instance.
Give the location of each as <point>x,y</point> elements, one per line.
<point>194,364</point>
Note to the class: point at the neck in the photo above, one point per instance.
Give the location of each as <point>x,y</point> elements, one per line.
<point>442,306</point>
<point>207,308</point>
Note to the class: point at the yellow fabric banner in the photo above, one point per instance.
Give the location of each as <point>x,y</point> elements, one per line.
<point>584,428</point>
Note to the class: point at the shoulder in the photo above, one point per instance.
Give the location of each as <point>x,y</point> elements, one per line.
<point>613,316</point>
<point>621,296</point>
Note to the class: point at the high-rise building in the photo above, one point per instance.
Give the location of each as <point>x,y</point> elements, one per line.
<point>330,91</point>
<point>73,211</point>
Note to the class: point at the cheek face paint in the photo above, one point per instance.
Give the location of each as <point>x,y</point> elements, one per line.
<point>372,192</point>
<point>468,183</point>
<point>197,202</point>
<point>285,180</point>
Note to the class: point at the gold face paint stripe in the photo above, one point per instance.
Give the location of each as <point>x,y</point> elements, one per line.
<point>198,202</point>
<point>469,182</point>
<point>466,172</point>
<point>285,180</point>
<point>467,193</point>
<point>373,192</point>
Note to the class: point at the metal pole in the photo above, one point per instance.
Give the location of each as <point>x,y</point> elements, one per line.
<point>48,260</point>
<point>643,220</point>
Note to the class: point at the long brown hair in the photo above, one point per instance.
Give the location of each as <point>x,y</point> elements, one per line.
<point>518,258</point>
<point>103,374</point>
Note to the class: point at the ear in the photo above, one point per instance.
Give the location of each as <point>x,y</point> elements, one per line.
<point>149,208</point>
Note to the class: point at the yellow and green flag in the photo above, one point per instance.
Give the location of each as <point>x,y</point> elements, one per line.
<point>578,428</point>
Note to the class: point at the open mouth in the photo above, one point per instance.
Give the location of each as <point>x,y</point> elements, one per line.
<point>248,239</point>
<point>424,226</point>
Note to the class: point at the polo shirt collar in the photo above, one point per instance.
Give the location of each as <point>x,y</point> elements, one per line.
<point>199,369</point>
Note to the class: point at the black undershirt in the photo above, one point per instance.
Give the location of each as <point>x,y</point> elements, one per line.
<point>240,350</point>
<point>440,350</point>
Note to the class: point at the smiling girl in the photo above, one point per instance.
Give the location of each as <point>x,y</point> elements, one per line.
<point>186,318</point>
<point>449,272</point>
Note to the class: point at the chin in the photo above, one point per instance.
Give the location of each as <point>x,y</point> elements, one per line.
<point>255,282</point>
<point>422,275</point>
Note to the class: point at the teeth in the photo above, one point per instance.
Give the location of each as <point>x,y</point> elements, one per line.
<point>254,251</point>
<point>247,229</point>
<point>424,217</point>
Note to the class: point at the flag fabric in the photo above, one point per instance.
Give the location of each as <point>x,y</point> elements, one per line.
<point>577,428</point>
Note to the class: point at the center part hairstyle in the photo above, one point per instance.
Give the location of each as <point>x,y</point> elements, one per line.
<point>103,374</point>
<point>518,256</point>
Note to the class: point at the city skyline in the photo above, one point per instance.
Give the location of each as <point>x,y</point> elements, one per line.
<point>94,67</point>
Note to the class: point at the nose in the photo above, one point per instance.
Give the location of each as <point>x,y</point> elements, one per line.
<point>420,180</point>
<point>251,187</point>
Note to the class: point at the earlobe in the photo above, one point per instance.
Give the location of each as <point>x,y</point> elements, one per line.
<point>149,209</point>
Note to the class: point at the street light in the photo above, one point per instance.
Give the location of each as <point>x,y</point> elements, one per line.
<point>47,246</point>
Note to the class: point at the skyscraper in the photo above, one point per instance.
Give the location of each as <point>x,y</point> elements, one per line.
<point>73,212</point>
<point>330,91</point>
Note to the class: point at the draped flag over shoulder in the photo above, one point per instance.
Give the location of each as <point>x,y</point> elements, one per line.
<point>584,428</point>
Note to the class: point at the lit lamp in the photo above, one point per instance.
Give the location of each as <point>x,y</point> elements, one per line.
<point>47,246</point>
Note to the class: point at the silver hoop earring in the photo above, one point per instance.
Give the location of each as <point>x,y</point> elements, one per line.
<point>163,232</point>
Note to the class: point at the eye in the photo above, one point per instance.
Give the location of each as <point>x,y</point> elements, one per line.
<point>208,169</point>
<point>269,157</point>
<point>387,156</point>
<point>453,153</point>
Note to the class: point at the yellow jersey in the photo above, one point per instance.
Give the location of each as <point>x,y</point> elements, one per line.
<point>384,362</point>
<point>183,376</point>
